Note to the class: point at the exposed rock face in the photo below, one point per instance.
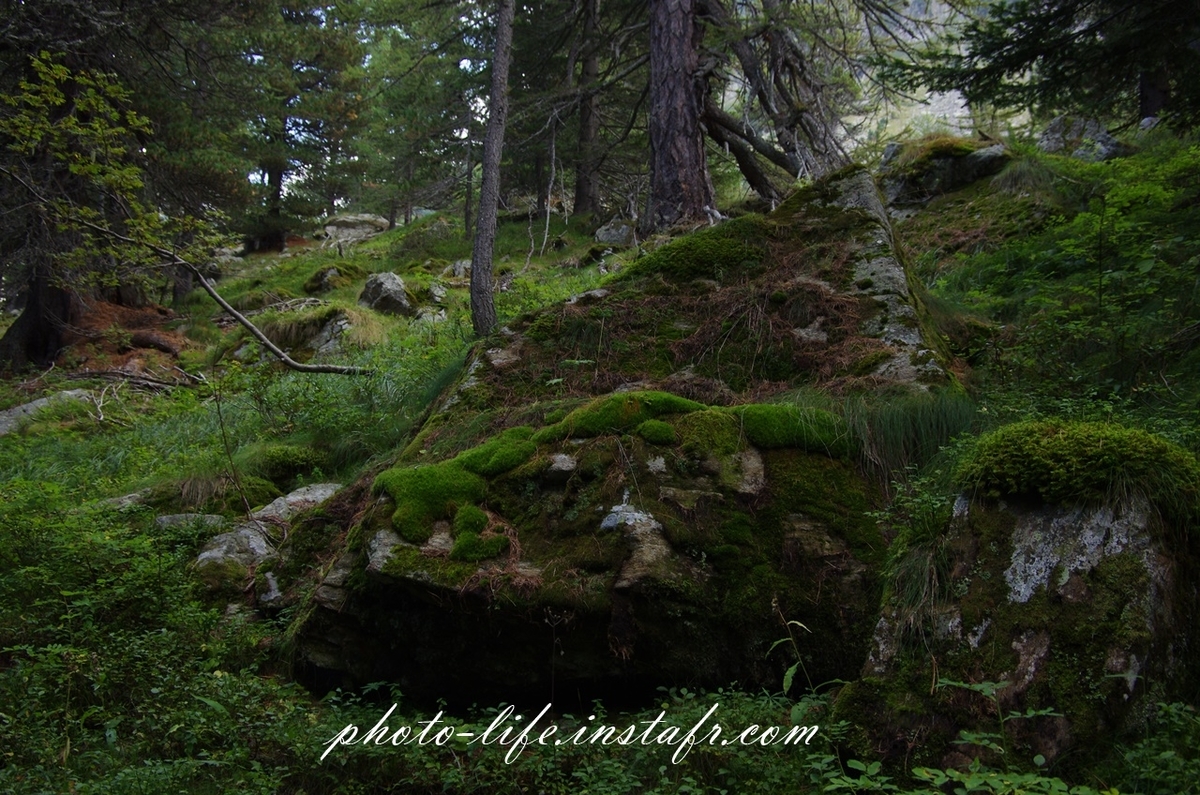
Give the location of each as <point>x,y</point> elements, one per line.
<point>1084,139</point>
<point>1086,612</point>
<point>228,560</point>
<point>384,292</point>
<point>353,227</point>
<point>938,173</point>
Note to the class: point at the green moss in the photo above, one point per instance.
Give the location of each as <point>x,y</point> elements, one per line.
<point>425,494</point>
<point>1090,462</point>
<point>470,519</point>
<point>867,364</point>
<point>507,451</point>
<point>773,425</point>
<point>734,248</point>
<point>915,154</point>
<point>344,275</point>
<point>615,413</point>
<point>709,432</point>
<point>827,491</point>
<point>279,462</point>
<point>472,547</point>
<point>656,432</point>
<point>409,562</point>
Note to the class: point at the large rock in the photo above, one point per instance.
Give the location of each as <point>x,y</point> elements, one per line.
<point>944,168</point>
<point>646,538</point>
<point>385,292</point>
<point>228,561</point>
<point>1084,139</point>
<point>617,233</point>
<point>352,227</point>
<point>1086,613</point>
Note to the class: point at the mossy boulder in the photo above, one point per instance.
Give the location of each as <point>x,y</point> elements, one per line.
<point>936,165</point>
<point>1076,619</point>
<point>666,570</point>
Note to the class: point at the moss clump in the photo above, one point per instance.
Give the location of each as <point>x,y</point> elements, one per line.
<point>773,426</point>
<point>709,432</point>
<point>915,154</point>
<point>507,451</point>
<point>615,413</point>
<point>656,432</point>
<point>333,277</point>
<point>1090,462</point>
<point>279,462</point>
<point>472,547</point>
<point>734,248</point>
<point>427,493</point>
<point>470,519</point>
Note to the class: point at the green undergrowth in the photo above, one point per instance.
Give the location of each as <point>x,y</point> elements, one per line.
<point>734,249</point>
<point>1099,297</point>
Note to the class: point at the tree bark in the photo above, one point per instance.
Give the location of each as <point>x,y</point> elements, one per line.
<point>483,305</point>
<point>587,163</point>
<point>680,187</point>
<point>36,336</point>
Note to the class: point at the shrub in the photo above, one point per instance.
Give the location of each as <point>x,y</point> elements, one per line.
<point>279,462</point>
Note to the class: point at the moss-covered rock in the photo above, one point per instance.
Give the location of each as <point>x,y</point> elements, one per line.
<point>1083,462</point>
<point>424,494</point>
<point>1079,618</point>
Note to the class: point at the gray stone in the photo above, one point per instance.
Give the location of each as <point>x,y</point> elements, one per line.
<point>616,233</point>
<point>650,556</point>
<point>11,418</point>
<point>437,292</point>
<point>286,507</point>
<point>1085,139</point>
<point>562,466</point>
<point>331,593</point>
<point>941,174</point>
<point>352,227</point>
<point>379,550</point>
<point>590,297</point>
<point>229,559</point>
<point>429,314</point>
<point>385,292</point>
<point>459,269</point>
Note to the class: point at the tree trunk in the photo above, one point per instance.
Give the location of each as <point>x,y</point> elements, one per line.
<point>680,188</point>
<point>36,336</point>
<point>483,306</point>
<point>1154,92</point>
<point>470,184</point>
<point>587,163</point>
